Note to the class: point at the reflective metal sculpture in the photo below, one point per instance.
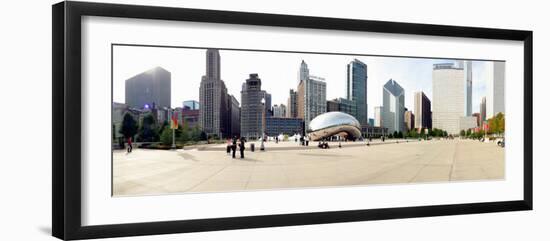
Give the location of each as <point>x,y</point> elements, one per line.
<point>334,123</point>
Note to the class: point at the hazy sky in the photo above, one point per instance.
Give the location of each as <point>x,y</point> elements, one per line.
<point>279,72</point>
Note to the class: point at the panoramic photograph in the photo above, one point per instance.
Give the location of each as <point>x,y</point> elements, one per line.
<point>196,120</point>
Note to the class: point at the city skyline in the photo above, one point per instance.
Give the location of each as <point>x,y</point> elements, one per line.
<point>279,73</point>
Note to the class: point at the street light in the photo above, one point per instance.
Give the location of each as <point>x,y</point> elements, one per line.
<point>262,147</point>
<point>174,126</point>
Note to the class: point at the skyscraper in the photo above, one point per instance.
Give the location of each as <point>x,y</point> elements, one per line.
<point>467,67</point>
<point>252,109</point>
<point>332,105</point>
<point>213,113</point>
<point>495,89</point>
<point>267,99</point>
<point>303,72</point>
<point>292,105</point>
<point>393,107</point>
<point>312,95</point>
<point>279,111</point>
<point>469,83</point>
<point>422,111</point>
<point>378,116</point>
<point>357,89</point>
<point>152,87</point>
<point>342,105</point>
<point>483,109</point>
<point>409,120</point>
<point>449,88</point>
<point>234,116</point>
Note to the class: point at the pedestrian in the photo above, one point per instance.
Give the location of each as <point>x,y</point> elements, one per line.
<point>276,139</point>
<point>129,144</point>
<point>241,148</point>
<point>228,146</point>
<point>234,146</point>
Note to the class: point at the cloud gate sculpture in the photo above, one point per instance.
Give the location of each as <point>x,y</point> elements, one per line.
<point>334,123</point>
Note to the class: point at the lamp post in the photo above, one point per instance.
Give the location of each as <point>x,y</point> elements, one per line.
<point>262,147</point>
<point>174,126</point>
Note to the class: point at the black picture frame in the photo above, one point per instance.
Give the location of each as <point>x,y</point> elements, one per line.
<point>66,119</point>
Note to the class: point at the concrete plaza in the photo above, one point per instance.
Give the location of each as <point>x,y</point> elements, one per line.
<point>287,165</point>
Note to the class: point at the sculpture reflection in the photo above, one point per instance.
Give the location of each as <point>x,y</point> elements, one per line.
<point>334,123</point>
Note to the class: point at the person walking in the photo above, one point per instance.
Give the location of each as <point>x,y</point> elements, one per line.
<point>228,146</point>
<point>234,146</point>
<point>241,148</point>
<point>129,144</point>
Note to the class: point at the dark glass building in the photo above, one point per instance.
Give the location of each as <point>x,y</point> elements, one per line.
<point>422,111</point>
<point>286,126</point>
<point>357,89</point>
<point>292,104</point>
<point>152,87</point>
<point>342,105</point>
<point>191,104</point>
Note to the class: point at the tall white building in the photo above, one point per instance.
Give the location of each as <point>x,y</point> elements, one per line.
<point>450,96</point>
<point>378,116</point>
<point>393,107</point>
<point>495,89</point>
<point>312,95</point>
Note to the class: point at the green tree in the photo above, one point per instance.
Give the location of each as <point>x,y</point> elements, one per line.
<point>496,124</point>
<point>183,133</point>
<point>163,126</point>
<point>462,133</point>
<point>213,137</point>
<point>196,134</point>
<point>203,136</point>
<point>148,130</point>
<point>166,136</point>
<point>129,126</point>
<point>477,135</point>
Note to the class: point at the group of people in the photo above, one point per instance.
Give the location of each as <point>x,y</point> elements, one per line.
<point>232,146</point>
<point>304,140</point>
